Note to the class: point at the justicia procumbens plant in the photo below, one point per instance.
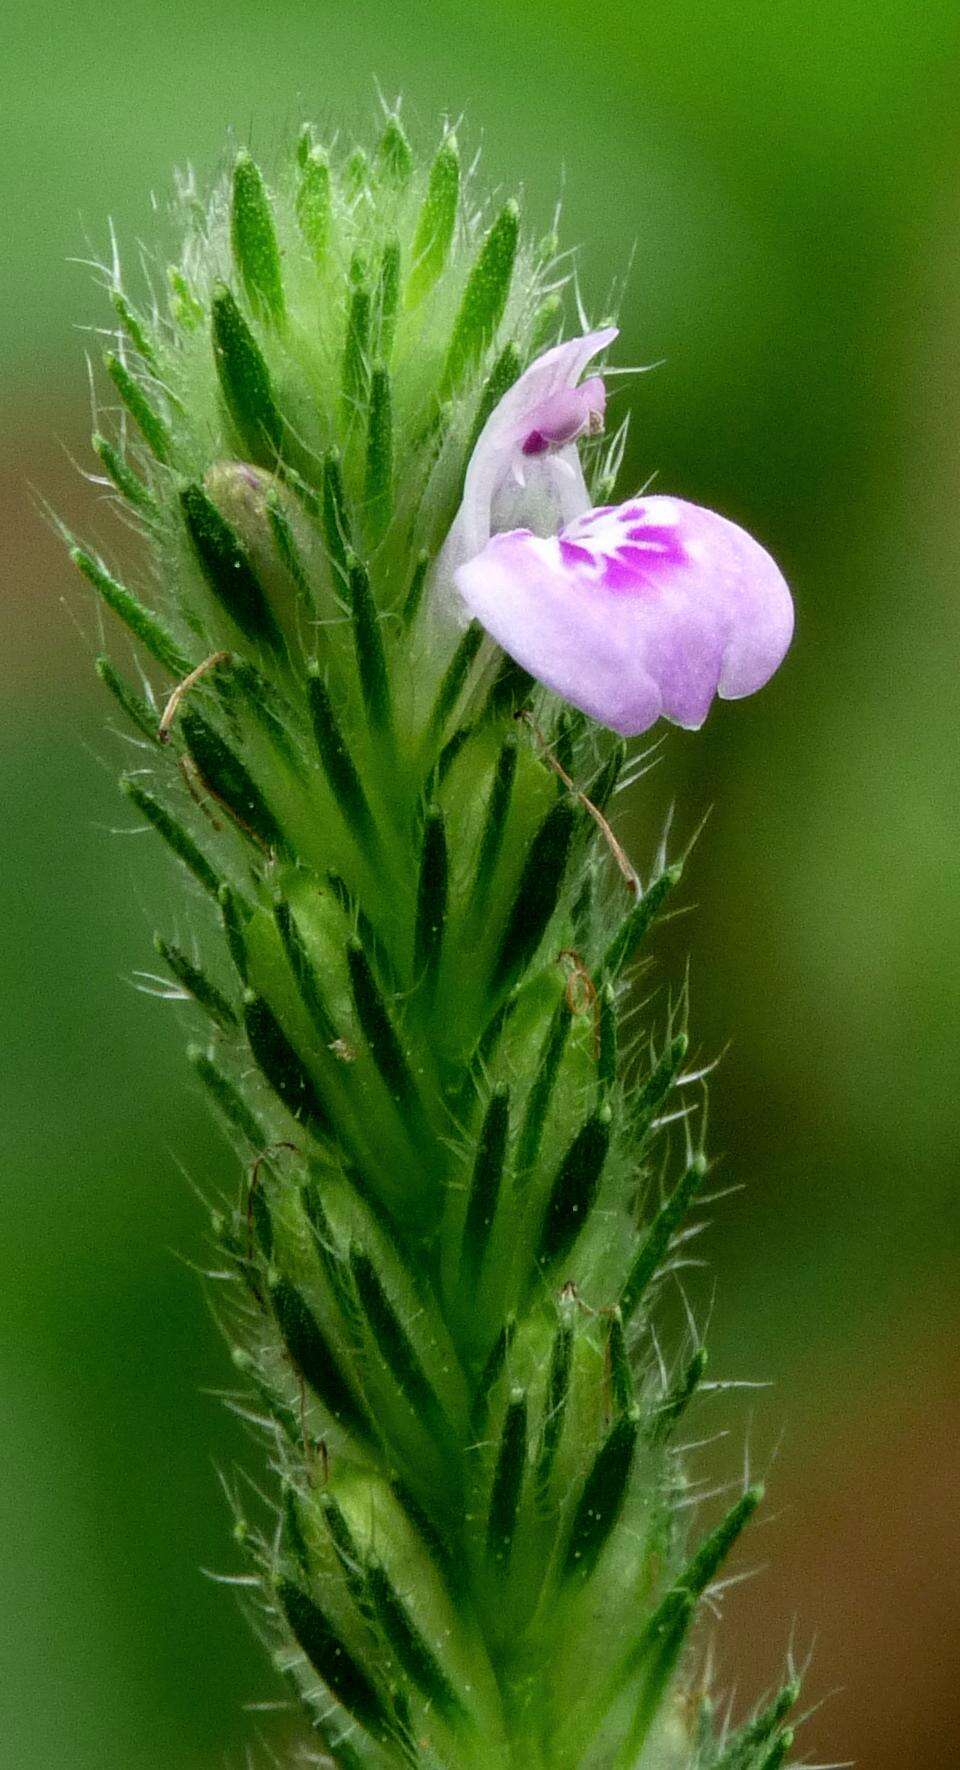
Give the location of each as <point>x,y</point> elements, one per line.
<point>394,641</point>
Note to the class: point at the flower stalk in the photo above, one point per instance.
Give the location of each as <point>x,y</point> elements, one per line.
<point>360,457</point>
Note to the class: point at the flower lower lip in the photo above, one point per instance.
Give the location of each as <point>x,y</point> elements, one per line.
<point>635,621</point>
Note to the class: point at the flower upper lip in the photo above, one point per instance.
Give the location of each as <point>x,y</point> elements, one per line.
<point>547,408</point>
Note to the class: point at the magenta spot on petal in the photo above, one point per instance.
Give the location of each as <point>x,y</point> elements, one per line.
<point>571,554</point>
<point>641,559</point>
<point>534,444</point>
<point>660,539</point>
<point>638,569</point>
<point>593,516</point>
<point>619,576</point>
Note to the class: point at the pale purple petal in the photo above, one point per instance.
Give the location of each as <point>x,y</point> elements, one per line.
<point>564,416</point>
<point>637,612</point>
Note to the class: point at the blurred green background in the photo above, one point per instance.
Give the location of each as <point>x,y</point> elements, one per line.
<point>787,176</point>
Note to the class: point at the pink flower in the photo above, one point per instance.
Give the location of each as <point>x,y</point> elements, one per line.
<point>632,613</point>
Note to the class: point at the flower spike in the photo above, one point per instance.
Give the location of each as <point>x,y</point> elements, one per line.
<point>464,1173</point>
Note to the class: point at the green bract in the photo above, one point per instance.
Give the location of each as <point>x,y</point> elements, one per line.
<point>456,1196</point>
